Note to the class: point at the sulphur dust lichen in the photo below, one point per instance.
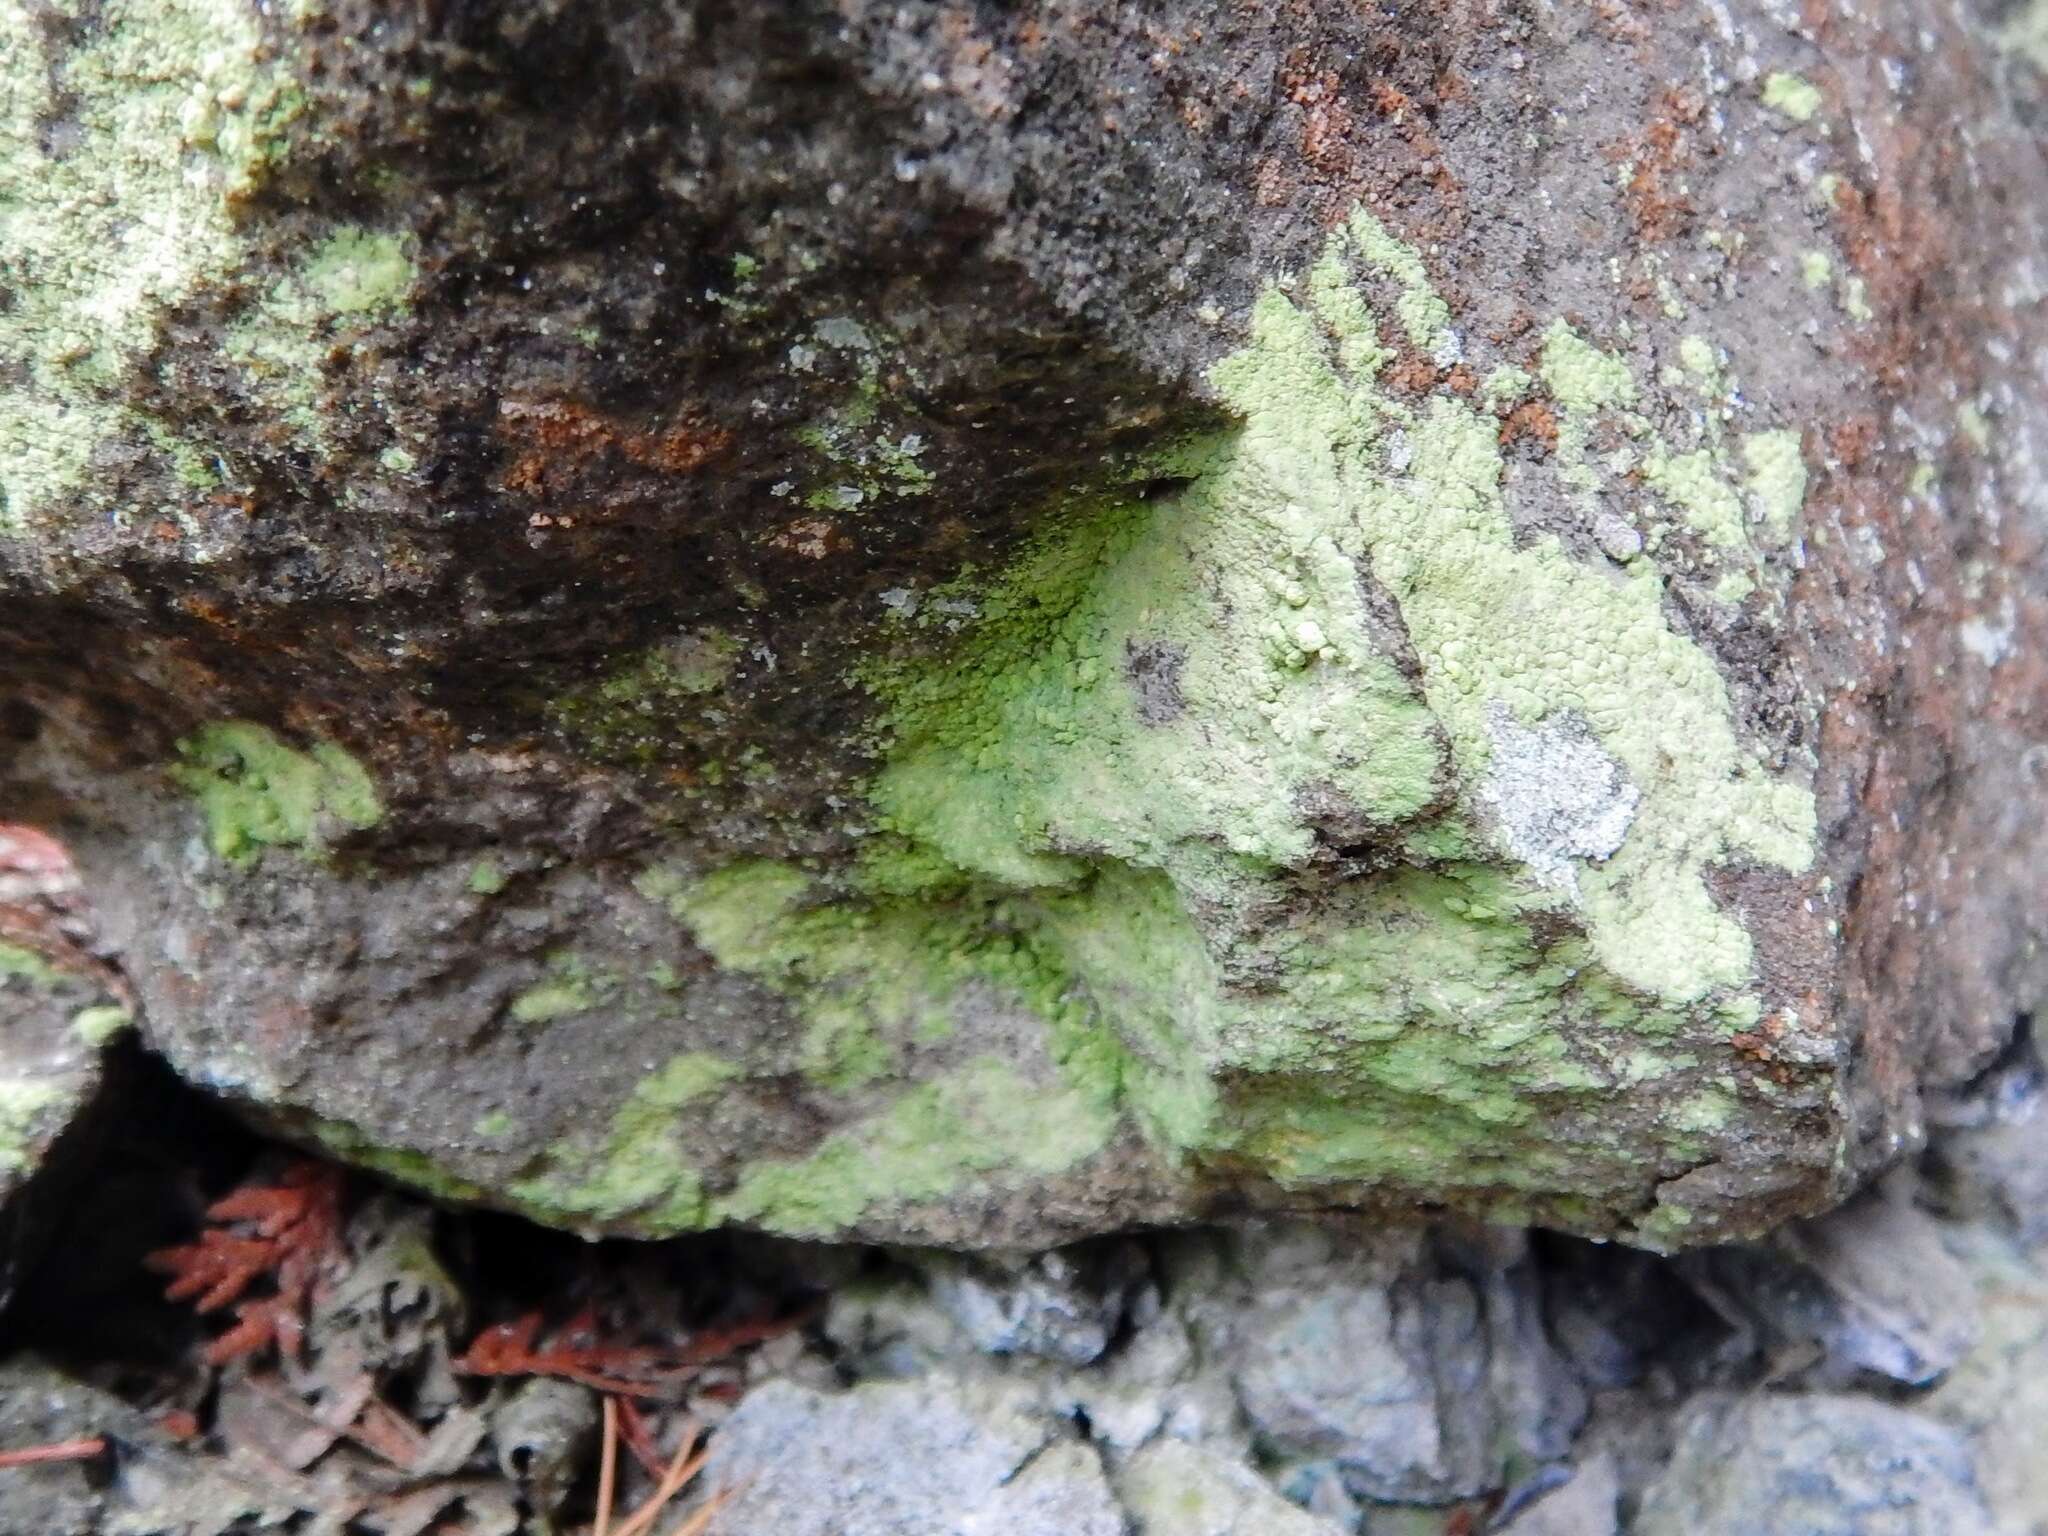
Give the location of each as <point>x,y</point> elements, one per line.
<point>1317,823</point>
<point>258,792</point>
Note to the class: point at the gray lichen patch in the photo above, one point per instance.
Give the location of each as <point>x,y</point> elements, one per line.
<point>1556,794</point>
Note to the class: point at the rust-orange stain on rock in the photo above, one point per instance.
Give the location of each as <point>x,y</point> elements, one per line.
<point>562,437</point>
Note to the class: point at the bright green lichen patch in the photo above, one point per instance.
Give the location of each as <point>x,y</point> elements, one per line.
<point>876,979</point>
<point>259,793</point>
<point>1165,686</point>
<point>408,1166</point>
<point>486,878</point>
<point>96,1026</point>
<point>128,132</point>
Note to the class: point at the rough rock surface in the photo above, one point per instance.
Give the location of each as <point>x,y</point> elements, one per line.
<point>55,1025</point>
<point>974,624</point>
<point>1268,1379</point>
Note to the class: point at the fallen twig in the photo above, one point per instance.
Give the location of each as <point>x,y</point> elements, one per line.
<point>60,1450</point>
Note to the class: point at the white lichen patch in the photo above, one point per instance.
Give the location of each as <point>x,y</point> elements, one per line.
<point>1555,795</point>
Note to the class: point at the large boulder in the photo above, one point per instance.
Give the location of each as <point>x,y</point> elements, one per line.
<point>978,624</point>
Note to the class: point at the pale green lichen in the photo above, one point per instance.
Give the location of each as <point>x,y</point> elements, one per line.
<point>1580,376</point>
<point>486,878</point>
<point>865,459</point>
<point>259,793</point>
<point>1791,95</point>
<point>98,1025</point>
<point>1693,483</point>
<point>25,1115</point>
<point>572,986</point>
<point>352,279</point>
<point>168,116</point>
<point>641,1171</point>
<point>1856,300</point>
<point>28,965</point>
<point>1777,479</point>
<point>1816,269</point>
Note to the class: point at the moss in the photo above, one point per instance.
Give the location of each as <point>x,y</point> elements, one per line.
<point>259,793</point>
<point>171,118</point>
<point>494,1125</point>
<point>98,1025</point>
<point>1791,95</point>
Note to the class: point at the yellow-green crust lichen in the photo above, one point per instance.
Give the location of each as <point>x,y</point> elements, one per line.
<point>257,792</point>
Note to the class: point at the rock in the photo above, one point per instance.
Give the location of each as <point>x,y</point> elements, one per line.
<point>1580,1504</point>
<point>148,1486</point>
<point>939,1455</point>
<point>1997,1395</point>
<point>1991,1162</point>
<point>972,627</point>
<point>1820,1465</point>
<point>1871,1286</point>
<point>1415,1376</point>
<point>1062,1306</point>
<point>1172,1488</point>
<point>55,1025</point>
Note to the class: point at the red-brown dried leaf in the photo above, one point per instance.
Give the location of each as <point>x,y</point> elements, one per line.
<point>574,1353</point>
